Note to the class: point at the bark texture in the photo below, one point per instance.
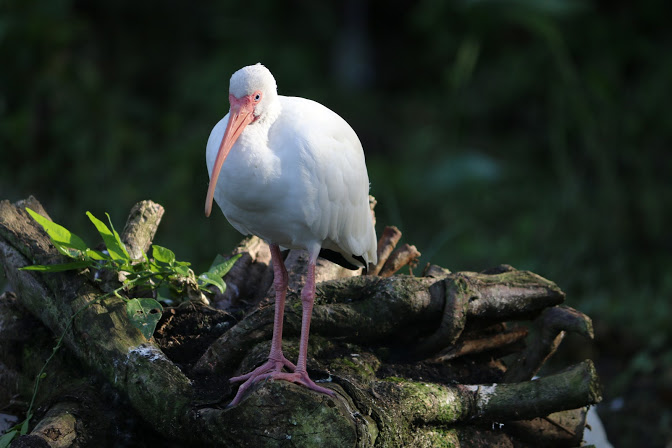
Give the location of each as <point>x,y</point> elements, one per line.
<point>414,361</point>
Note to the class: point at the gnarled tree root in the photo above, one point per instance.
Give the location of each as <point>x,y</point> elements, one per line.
<point>395,316</point>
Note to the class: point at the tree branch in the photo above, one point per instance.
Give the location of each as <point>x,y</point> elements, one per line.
<point>434,403</point>
<point>141,226</point>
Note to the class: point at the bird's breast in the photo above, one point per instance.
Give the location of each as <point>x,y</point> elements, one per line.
<point>260,189</point>
<point>250,179</point>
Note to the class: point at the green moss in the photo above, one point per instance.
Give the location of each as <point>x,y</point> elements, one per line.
<point>363,366</point>
<point>396,379</point>
<point>344,361</point>
<point>426,402</point>
<point>437,438</point>
<point>299,418</point>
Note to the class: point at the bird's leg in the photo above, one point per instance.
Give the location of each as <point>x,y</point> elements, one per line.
<point>299,374</point>
<point>280,282</point>
<point>276,360</point>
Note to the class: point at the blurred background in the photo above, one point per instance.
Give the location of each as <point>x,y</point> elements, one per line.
<point>529,132</point>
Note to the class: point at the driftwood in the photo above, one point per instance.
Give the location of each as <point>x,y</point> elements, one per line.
<point>414,361</point>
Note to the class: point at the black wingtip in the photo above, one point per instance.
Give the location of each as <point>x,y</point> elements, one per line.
<point>339,259</point>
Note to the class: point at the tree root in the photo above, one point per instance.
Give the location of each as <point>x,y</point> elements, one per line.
<point>362,326</point>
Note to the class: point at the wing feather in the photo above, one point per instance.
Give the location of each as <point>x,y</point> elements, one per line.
<point>335,183</point>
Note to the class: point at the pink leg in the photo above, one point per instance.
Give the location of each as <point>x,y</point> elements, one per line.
<point>276,360</point>
<point>299,374</point>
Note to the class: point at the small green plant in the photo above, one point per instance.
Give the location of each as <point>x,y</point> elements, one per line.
<point>162,273</point>
<point>171,280</point>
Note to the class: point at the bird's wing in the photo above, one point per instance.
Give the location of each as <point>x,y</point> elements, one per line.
<point>335,184</point>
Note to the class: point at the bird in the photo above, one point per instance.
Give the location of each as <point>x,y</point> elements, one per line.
<point>292,172</point>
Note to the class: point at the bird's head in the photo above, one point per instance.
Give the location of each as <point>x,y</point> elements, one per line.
<point>252,90</point>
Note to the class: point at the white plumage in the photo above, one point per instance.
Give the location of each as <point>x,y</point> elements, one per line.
<point>296,177</point>
<point>292,172</point>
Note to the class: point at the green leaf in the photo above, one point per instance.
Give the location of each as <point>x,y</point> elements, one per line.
<point>62,238</point>
<point>68,251</point>
<point>96,255</point>
<point>6,439</point>
<point>163,293</point>
<point>144,314</point>
<point>163,254</point>
<point>207,278</point>
<point>221,266</point>
<point>117,237</point>
<point>58,267</point>
<point>182,270</point>
<point>218,269</point>
<point>115,247</point>
<point>26,424</point>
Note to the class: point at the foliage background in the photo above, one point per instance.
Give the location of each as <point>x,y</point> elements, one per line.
<point>527,132</point>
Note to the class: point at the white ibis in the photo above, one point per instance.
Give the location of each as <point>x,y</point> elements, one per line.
<point>292,172</point>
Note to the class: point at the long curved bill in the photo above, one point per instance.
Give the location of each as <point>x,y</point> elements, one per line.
<point>240,115</point>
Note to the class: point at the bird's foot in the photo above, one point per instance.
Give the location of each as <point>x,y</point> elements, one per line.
<point>301,378</point>
<point>253,377</point>
<point>274,364</point>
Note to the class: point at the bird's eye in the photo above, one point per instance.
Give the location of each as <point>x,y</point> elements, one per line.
<point>257,97</point>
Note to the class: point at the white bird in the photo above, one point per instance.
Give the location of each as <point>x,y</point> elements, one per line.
<point>295,176</point>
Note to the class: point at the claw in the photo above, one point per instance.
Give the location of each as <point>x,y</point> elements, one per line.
<point>272,365</point>
<point>257,375</point>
